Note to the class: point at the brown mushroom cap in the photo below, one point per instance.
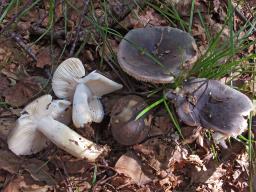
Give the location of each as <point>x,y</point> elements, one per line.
<point>125,129</point>
<point>156,54</point>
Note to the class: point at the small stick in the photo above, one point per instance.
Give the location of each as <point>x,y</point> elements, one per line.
<point>39,31</point>
<point>81,19</point>
<point>21,43</point>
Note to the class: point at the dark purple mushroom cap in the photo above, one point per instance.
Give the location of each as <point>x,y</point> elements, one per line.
<point>210,104</point>
<point>125,129</point>
<point>176,50</point>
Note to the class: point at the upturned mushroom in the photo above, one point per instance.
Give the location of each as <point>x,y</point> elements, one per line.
<point>125,129</point>
<point>156,54</point>
<point>69,82</point>
<point>36,126</point>
<point>211,104</point>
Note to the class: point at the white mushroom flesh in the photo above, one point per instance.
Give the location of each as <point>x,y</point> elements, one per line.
<point>24,139</point>
<point>66,77</point>
<point>36,125</point>
<point>68,140</point>
<point>96,110</point>
<point>68,82</point>
<point>81,114</point>
<point>99,84</point>
<point>61,111</point>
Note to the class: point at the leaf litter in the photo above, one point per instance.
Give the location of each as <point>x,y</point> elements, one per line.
<point>161,162</point>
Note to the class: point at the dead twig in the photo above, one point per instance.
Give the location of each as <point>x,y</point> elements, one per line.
<point>21,43</point>
<point>67,182</point>
<point>81,19</point>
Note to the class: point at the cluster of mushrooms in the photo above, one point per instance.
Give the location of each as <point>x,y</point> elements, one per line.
<point>155,55</point>
<point>46,120</point>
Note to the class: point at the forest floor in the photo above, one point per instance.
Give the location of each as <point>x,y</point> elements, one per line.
<point>36,36</point>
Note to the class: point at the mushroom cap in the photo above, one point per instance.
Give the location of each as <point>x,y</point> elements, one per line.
<point>99,84</point>
<point>24,138</point>
<point>210,104</point>
<point>66,77</point>
<point>125,129</point>
<point>174,49</point>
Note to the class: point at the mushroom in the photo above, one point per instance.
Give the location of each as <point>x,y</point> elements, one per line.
<point>61,111</point>
<point>156,54</point>
<point>125,129</point>
<point>210,104</point>
<point>36,125</point>
<point>69,82</point>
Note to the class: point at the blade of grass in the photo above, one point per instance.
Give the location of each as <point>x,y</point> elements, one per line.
<point>150,107</point>
<point>250,154</point>
<point>51,19</point>
<point>7,9</point>
<point>174,120</point>
<point>191,15</point>
<point>94,178</point>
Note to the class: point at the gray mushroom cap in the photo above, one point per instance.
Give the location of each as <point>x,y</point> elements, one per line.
<point>210,104</point>
<point>172,50</point>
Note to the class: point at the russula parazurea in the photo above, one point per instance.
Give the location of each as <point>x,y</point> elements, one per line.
<point>156,54</point>
<point>211,104</point>
<point>125,129</point>
<point>36,126</point>
<point>71,82</point>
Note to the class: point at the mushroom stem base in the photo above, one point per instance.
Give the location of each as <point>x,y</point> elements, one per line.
<point>70,141</point>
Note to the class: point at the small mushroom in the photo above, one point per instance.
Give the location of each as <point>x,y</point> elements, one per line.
<point>69,82</point>
<point>156,54</point>
<point>125,129</point>
<point>36,125</point>
<point>210,104</point>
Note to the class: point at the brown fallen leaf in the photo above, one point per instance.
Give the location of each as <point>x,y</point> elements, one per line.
<point>9,162</point>
<point>22,92</point>
<point>4,83</point>
<point>21,183</point>
<point>129,165</point>
<point>158,153</point>
<point>72,165</point>
<point>39,171</point>
<point>43,58</point>
<point>138,19</point>
<point>6,124</point>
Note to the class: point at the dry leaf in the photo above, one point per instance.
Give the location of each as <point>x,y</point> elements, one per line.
<point>22,184</point>
<point>43,58</point>
<point>130,166</point>
<point>22,92</point>
<point>138,19</point>
<point>159,154</point>
<point>39,171</point>
<point>9,162</point>
<point>6,124</point>
<point>4,83</point>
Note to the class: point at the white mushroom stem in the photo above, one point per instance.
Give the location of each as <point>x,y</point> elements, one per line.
<point>68,140</point>
<point>81,110</point>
